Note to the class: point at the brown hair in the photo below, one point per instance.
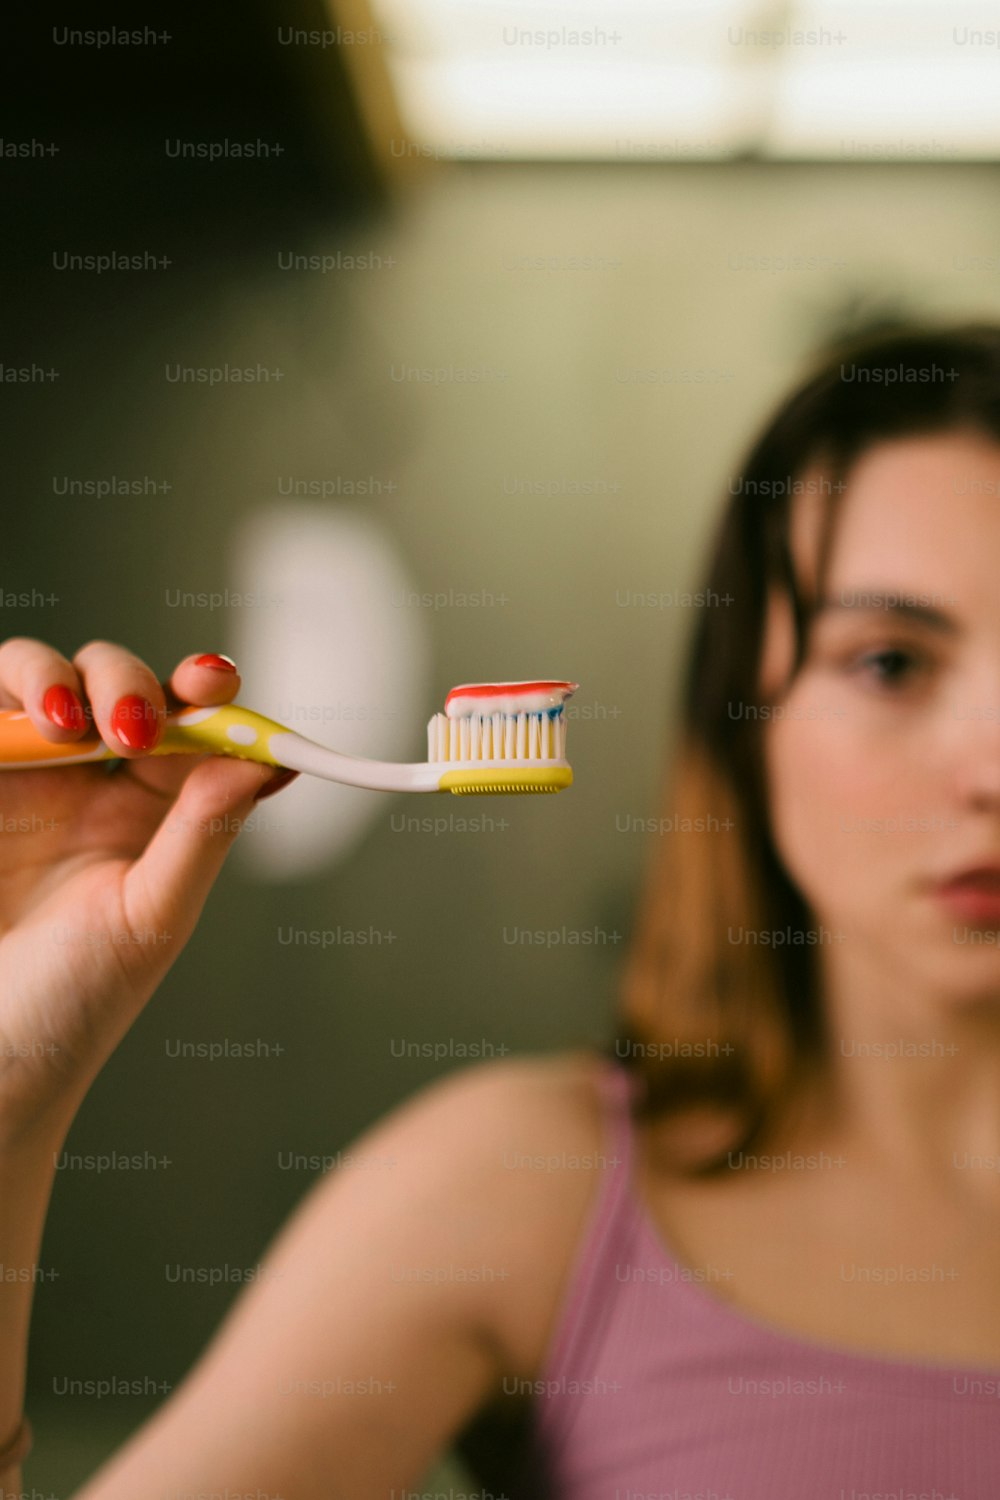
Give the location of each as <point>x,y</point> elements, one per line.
<point>707,1023</point>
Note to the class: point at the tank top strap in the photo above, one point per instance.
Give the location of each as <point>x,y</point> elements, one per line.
<point>617,1088</point>
<point>606,1236</point>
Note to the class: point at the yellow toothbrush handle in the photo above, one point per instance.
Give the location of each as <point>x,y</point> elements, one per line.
<point>225,730</point>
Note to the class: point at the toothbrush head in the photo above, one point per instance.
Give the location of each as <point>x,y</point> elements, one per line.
<point>502,737</point>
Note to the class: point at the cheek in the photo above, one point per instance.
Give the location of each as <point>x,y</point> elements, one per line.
<point>833,750</point>
<point>808,786</point>
<point>829,781</point>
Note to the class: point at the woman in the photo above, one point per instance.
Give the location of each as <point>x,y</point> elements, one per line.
<point>751,1249</point>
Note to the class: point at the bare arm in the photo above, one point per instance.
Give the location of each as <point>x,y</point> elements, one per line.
<point>377,1325</point>
<point>26,1176</point>
<point>359,1351</point>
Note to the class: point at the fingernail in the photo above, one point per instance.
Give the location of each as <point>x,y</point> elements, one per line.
<point>275,784</point>
<point>63,707</point>
<point>212,659</point>
<point>134,721</point>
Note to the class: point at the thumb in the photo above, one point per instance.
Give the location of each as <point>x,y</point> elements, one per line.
<point>177,869</point>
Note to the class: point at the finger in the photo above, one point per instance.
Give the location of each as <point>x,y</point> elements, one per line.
<point>205,679</point>
<point>125,695</point>
<point>168,885</point>
<point>277,783</point>
<point>38,678</point>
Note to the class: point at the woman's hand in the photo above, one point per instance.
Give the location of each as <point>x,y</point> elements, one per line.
<point>102,877</point>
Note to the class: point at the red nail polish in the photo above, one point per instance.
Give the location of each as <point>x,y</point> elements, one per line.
<point>275,784</point>
<point>212,659</point>
<point>134,721</point>
<point>63,707</point>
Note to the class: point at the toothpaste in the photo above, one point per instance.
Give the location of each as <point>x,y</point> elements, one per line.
<point>507,698</point>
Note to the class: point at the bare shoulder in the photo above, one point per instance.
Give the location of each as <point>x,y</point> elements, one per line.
<point>518,1096</point>
<point>533,1099</point>
<point>508,1116</point>
<point>516,1136</point>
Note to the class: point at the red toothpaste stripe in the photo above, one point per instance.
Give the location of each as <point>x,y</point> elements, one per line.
<point>507,689</point>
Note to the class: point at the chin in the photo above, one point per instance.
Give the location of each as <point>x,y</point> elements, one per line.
<point>964,981</point>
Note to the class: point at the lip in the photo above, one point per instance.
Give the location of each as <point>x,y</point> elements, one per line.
<point>984,875</point>
<point>973,895</point>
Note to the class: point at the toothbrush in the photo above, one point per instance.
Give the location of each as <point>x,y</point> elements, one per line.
<point>492,737</point>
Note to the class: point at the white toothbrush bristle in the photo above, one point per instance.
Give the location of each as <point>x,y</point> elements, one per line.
<point>494,737</point>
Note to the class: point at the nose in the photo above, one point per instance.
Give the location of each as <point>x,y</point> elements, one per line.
<point>977,747</point>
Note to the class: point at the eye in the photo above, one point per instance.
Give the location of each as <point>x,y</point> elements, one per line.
<point>892,667</point>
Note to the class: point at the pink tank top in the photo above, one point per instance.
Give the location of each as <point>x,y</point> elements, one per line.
<point>655,1389</point>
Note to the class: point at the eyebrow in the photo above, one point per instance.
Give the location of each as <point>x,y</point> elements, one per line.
<point>898,602</point>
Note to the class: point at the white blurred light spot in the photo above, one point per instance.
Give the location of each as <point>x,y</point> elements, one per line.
<point>675,79</point>
<point>323,649</point>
